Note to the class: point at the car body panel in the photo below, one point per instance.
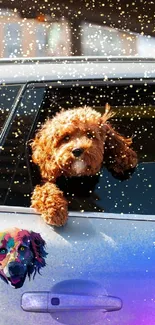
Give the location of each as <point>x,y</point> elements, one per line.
<point>117,254</point>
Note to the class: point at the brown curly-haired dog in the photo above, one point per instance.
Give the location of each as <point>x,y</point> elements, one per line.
<point>75,143</point>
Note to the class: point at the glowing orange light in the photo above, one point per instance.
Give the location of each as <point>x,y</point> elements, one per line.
<point>41,18</point>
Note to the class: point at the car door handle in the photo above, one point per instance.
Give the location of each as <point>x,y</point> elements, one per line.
<point>47,302</point>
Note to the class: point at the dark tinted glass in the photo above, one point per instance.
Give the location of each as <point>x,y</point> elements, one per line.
<point>7,97</point>
<point>15,181</point>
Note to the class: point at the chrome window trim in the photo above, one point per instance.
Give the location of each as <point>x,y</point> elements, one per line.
<point>73,214</point>
<point>74,68</point>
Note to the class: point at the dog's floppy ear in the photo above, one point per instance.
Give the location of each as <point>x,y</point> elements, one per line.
<point>119,158</point>
<point>41,147</point>
<point>38,248</point>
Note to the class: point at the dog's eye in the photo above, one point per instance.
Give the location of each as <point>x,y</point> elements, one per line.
<point>66,138</point>
<point>3,250</point>
<point>90,135</point>
<point>22,248</point>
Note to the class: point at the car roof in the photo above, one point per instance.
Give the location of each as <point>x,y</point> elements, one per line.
<point>23,70</point>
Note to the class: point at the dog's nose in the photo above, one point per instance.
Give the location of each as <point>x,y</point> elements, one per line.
<point>77,152</point>
<point>15,268</point>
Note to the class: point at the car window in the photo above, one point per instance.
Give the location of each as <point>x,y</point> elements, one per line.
<point>15,184</point>
<point>134,107</point>
<point>7,96</point>
<point>135,116</point>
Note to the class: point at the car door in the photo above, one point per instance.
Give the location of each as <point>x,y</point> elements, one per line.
<point>99,268</point>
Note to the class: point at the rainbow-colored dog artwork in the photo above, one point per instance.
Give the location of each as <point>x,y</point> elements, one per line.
<point>22,254</point>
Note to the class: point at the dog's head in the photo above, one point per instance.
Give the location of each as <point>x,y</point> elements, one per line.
<point>22,253</point>
<point>76,142</point>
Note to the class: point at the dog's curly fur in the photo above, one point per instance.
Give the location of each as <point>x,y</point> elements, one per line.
<point>75,143</point>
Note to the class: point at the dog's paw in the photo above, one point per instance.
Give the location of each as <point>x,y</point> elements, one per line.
<point>55,217</point>
<point>50,202</point>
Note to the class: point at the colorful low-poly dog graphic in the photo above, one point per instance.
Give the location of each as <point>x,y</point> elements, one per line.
<point>22,253</point>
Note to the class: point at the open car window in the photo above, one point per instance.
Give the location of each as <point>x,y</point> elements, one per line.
<point>135,117</point>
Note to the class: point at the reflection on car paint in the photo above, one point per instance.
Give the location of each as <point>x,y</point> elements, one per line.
<point>22,254</point>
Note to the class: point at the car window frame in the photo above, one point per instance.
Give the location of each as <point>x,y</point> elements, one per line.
<point>78,83</point>
<point>67,83</point>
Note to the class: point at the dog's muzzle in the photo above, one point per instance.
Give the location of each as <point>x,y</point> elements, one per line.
<point>16,269</point>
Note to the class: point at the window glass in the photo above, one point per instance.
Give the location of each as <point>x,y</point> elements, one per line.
<point>13,42</point>
<point>15,183</point>
<point>7,97</point>
<point>41,40</point>
<point>108,41</point>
